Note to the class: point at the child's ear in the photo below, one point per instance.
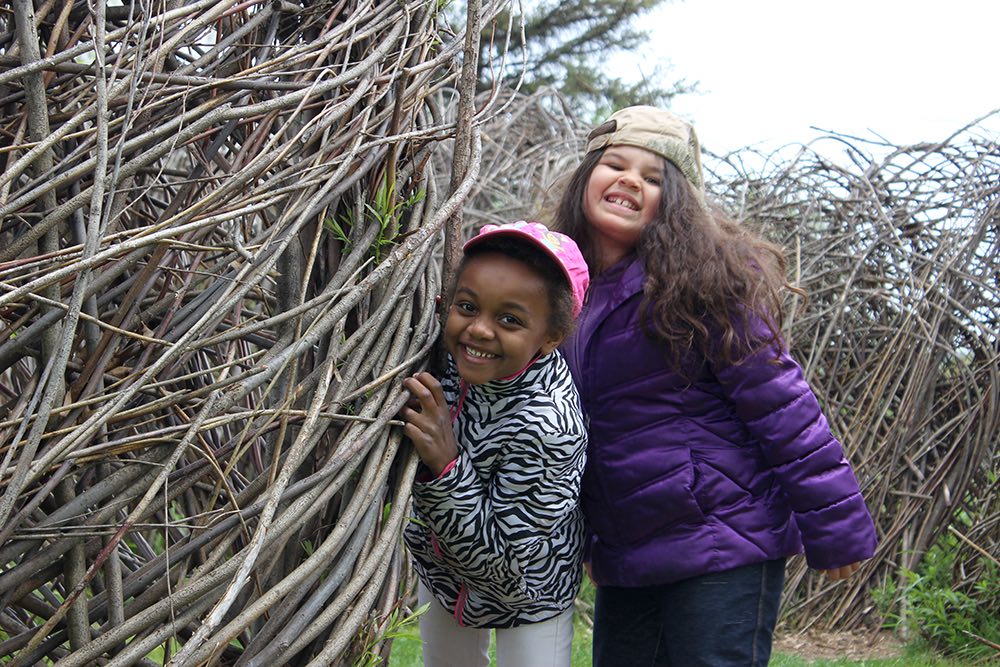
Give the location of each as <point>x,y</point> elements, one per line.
<point>551,342</point>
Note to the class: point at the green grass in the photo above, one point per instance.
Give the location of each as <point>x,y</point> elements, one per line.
<point>912,657</point>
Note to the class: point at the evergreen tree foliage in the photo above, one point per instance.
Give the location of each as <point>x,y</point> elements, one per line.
<point>566,45</point>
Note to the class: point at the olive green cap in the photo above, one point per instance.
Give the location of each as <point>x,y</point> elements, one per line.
<point>655,130</point>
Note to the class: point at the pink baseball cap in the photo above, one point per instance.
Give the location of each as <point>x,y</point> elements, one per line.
<point>559,247</point>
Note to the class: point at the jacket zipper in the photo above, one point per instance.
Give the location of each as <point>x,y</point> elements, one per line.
<point>434,543</point>
<point>463,594</point>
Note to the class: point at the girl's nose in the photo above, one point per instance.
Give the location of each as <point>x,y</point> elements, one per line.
<point>479,328</point>
<point>629,180</point>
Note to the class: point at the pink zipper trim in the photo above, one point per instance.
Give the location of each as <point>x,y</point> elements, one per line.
<point>463,390</point>
<point>463,595</point>
<point>434,543</point>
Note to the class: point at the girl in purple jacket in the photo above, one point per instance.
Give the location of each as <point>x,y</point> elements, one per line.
<point>709,460</point>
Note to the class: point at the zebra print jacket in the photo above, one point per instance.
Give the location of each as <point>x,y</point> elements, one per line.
<point>498,536</point>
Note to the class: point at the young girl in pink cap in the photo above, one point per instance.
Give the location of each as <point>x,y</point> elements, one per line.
<point>709,460</point>
<point>498,534</point>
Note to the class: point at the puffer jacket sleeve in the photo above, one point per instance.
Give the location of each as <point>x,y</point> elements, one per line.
<point>491,534</point>
<point>771,397</point>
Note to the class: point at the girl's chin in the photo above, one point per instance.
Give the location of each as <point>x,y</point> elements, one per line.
<point>470,369</point>
<point>476,374</point>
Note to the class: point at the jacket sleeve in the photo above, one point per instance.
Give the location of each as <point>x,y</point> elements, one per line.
<point>771,397</point>
<point>490,534</point>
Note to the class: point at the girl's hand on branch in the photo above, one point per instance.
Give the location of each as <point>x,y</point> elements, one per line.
<point>428,422</point>
<point>844,572</point>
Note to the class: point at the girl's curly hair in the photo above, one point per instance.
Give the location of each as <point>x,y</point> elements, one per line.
<point>707,276</point>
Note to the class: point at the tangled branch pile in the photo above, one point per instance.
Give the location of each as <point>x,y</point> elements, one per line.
<point>217,229</point>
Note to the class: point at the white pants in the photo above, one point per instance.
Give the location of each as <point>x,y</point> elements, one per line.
<point>447,644</point>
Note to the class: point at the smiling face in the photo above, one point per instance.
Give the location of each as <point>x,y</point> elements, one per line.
<point>499,318</point>
<point>622,197</point>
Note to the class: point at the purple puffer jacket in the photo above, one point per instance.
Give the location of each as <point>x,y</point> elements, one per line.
<point>721,467</point>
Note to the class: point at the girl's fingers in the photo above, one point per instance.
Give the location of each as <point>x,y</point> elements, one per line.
<point>425,388</point>
<point>437,391</point>
<point>428,382</point>
<point>414,386</point>
<point>844,572</point>
<point>428,421</point>
<point>416,436</point>
<point>417,420</point>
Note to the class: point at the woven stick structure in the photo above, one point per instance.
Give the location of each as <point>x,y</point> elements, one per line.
<point>217,261</point>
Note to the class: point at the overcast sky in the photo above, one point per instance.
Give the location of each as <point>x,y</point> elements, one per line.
<point>909,71</point>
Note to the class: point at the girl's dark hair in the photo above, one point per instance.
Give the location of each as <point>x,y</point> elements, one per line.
<point>706,275</point>
<point>556,284</point>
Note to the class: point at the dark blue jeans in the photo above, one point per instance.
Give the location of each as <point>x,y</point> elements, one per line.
<point>724,619</point>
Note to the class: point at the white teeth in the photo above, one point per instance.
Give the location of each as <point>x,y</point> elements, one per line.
<point>623,202</point>
<point>478,354</point>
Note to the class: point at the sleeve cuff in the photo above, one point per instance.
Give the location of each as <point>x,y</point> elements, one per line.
<point>425,475</point>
